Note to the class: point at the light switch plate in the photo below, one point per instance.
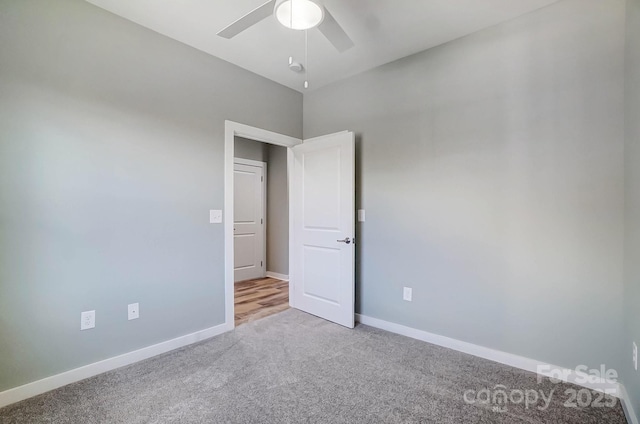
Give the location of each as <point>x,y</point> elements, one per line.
<point>215,216</point>
<point>407,293</point>
<point>133,311</point>
<point>360,215</point>
<point>87,320</point>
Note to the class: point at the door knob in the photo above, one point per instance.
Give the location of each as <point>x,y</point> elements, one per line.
<point>346,240</point>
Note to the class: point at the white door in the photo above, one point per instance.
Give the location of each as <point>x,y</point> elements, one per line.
<point>323,224</point>
<point>249,220</point>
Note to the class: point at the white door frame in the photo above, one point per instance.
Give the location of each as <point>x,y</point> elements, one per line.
<point>232,130</point>
<point>263,166</point>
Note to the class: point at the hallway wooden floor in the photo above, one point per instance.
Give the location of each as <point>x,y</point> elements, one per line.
<point>255,299</point>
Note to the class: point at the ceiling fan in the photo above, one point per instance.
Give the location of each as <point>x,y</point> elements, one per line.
<point>294,14</point>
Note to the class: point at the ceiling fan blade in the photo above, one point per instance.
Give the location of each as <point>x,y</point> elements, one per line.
<point>334,32</point>
<point>248,20</point>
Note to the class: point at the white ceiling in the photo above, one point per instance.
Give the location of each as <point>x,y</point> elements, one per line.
<point>382,30</point>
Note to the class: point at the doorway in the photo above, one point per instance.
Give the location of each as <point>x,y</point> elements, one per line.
<point>257,238</point>
<point>260,230</point>
<point>321,221</point>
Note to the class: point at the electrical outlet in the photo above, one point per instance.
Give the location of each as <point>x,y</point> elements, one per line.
<point>635,356</point>
<point>407,293</point>
<point>134,311</point>
<point>87,320</point>
<point>215,216</point>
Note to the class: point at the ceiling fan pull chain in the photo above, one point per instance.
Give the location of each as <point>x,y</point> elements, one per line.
<point>306,58</point>
<point>291,15</point>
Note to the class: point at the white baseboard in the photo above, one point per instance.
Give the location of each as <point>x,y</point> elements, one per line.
<point>277,276</point>
<point>516,361</point>
<point>627,406</point>
<point>46,384</point>
<point>50,383</point>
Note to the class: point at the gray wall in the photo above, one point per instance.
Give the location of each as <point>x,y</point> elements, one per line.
<point>491,170</point>
<point>250,149</point>
<point>111,155</point>
<point>631,377</point>
<point>277,199</point>
<point>277,212</point>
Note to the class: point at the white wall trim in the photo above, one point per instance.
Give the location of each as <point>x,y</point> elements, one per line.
<point>627,406</point>
<point>231,130</point>
<point>291,160</point>
<point>277,276</point>
<point>515,361</point>
<point>258,134</point>
<point>49,383</point>
<point>250,162</point>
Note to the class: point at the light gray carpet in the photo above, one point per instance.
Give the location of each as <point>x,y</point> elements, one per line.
<point>296,368</point>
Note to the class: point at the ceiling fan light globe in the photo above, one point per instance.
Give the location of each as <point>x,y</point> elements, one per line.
<point>299,14</point>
